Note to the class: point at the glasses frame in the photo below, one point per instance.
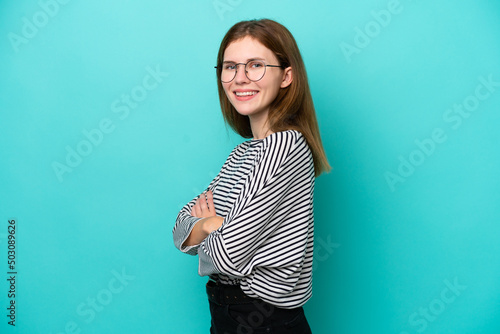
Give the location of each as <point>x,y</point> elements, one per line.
<point>246,72</point>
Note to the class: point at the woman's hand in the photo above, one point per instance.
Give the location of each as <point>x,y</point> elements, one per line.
<point>203,208</point>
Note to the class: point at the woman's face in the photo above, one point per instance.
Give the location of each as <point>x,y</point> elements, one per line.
<point>265,90</point>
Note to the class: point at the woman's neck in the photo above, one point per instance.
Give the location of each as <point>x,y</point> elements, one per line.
<point>260,126</point>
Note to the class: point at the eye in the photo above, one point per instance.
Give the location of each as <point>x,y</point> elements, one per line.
<point>229,66</point>
<point>255,64</point>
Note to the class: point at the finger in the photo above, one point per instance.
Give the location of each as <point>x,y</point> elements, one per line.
<point>196,208</point>
<point>203,203</point>
<point>210,202</point>
<point>194,211</point>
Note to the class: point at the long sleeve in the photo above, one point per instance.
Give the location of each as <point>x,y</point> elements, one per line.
<point>266,237</point>
<point>185,222</point>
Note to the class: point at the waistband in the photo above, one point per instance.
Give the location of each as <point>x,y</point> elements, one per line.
<point>223,294</point>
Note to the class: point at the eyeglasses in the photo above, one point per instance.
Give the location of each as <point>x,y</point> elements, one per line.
<point>254,70</point>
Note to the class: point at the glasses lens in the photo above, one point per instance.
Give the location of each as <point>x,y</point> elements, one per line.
<point>228,72</point>
<point>255,70</point>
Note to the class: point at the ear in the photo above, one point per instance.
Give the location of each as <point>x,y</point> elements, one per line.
<point>287,77</point>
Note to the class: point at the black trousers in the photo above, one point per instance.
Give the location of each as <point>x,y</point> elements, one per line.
<point>235,313</point>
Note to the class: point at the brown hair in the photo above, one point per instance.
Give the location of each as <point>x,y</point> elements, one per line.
<point>293,108</point>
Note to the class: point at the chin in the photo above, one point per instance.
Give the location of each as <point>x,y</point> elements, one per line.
<point>244,112</point>
<point>247,111</point>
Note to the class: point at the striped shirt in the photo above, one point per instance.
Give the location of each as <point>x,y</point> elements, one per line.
<point>264,191</point>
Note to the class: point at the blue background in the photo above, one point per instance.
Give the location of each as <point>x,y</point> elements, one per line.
<point>386,251</point>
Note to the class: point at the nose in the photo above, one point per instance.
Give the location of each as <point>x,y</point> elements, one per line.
<point>241,76</point>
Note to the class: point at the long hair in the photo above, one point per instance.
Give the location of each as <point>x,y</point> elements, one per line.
<point>293,108</point>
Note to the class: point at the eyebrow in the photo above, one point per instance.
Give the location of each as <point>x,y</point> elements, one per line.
<point>249,59</point>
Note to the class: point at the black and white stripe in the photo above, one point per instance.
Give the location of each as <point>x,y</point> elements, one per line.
<point>264,191</point>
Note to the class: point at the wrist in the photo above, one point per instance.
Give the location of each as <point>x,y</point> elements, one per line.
<point>207,225</point>
<point>210,224</point>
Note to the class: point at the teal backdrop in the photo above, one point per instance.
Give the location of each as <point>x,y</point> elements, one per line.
<point>110,122</point>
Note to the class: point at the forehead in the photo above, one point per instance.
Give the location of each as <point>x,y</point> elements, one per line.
<point>247,48</point>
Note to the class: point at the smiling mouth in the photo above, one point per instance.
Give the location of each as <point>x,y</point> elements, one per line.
<point>242,94</point>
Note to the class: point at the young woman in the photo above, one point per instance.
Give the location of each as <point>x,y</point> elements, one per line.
<point>253,227</point>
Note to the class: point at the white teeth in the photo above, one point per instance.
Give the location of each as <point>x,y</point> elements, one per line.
<point>245,93</point>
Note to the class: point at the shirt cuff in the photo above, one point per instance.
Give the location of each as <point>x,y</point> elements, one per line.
<point>207,266</point>
<point>183,233</point>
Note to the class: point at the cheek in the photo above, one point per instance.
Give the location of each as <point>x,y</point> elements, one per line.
<point>273,89</point>
<point>273,84</point>
<point>227,90</point>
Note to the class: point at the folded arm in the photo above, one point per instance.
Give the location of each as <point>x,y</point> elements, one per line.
<point>274,206</point>
<point>203,208</point>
